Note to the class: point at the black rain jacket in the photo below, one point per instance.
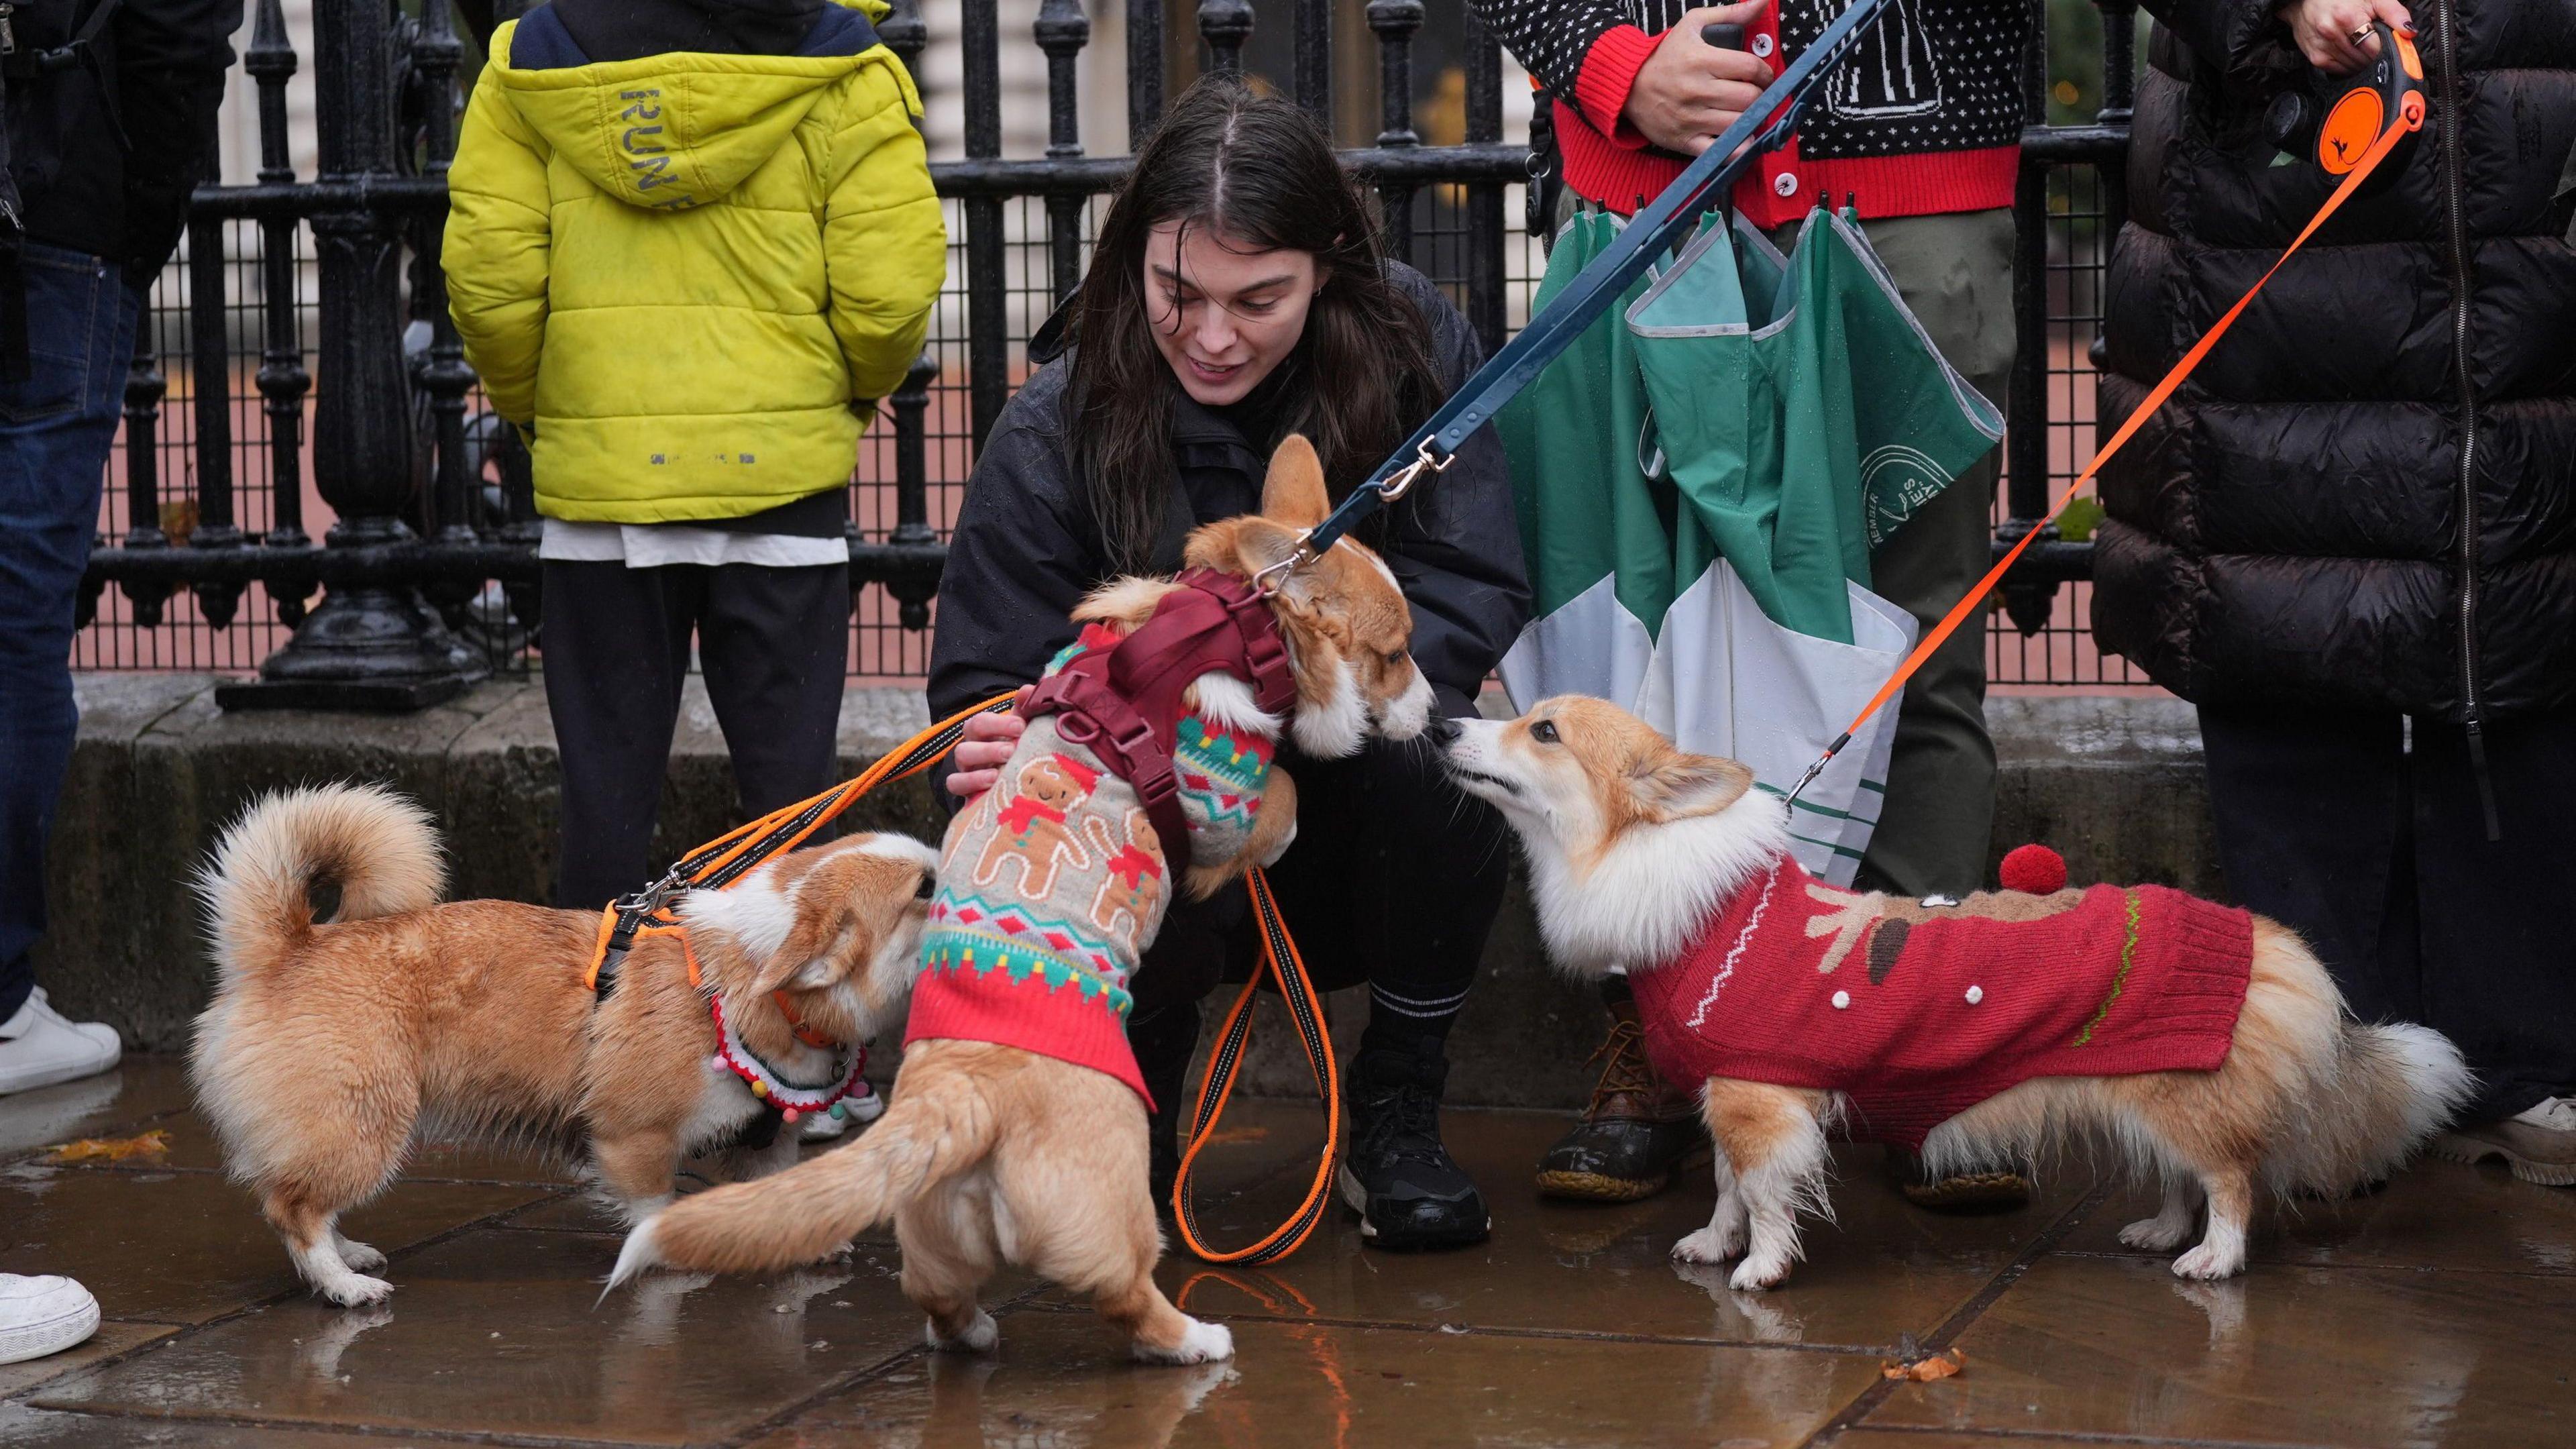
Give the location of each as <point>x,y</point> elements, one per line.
<point>107,145</point>
<point>1027,547</point>
<point>2378,463</point>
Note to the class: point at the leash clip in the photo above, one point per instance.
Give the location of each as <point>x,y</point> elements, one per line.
<point>1266,582</point>
<point>1402,483</point>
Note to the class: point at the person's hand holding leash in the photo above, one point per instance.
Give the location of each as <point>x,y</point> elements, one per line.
<point>986,747</point>
<point>2335,34</point>
<point>1689,91</point>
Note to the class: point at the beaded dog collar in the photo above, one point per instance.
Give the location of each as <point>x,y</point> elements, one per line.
<point>793,1101</point>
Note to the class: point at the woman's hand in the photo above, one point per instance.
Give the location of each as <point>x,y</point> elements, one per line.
<point>2324,30</point>
<point>1689,91</point>
<point>987,745</point>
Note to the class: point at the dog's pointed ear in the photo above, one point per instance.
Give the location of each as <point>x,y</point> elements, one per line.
<point>824,912</point>
<point>1294,493</point>
<point>1684,786</point>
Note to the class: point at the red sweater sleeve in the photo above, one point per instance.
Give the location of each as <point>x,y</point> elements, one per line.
<point>1609,72</point>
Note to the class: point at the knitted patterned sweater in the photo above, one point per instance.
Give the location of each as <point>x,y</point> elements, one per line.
<point>1919,1011</point>
<point>1053,884</point>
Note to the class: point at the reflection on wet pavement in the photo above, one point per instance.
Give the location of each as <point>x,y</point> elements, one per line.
<point>2441,1310</point>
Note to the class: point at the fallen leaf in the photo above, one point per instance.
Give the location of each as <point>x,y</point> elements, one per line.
<point>1924,1370</point>
<point>109,1149</point>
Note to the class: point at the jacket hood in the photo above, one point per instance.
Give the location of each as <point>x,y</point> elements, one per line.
<point>676,130</point>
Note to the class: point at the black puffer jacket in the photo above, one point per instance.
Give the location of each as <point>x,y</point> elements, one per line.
<point>106,141</point>
<point>2379,461</point>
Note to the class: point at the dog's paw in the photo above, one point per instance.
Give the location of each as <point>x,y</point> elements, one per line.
<point>357,1290</point>
<point>842,1252</point>
<point>360,1257</point>
<point>2155,1235</point>
<point>1708,1245</point>
<point>2209,1264</point>
<point>1759,1272</point>
<point>981,1336</point>
<point>1202,1343</point>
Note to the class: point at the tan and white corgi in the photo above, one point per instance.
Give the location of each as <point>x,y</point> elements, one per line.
<point>2202,1045</point>
<point>994,1150</point>
<point>331,1047</point>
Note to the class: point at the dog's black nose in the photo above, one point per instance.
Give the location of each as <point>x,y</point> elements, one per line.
<point>1442,730</point>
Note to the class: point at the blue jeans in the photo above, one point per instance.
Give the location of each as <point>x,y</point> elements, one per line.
<point>55,429</point>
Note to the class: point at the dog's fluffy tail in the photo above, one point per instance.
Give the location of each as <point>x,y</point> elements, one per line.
<point>928,1134</point>
<point>2396,1085</point>
<point>379,847</point>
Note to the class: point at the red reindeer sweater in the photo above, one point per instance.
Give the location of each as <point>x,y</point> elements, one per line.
<point>1918,1012</point>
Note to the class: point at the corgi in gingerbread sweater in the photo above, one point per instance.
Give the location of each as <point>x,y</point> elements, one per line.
<point>2207,1045</point>
<point>1017,1127</point>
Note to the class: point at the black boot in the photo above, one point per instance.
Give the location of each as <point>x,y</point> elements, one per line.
<point>1639,1130</point>
<point>1395,1173</point>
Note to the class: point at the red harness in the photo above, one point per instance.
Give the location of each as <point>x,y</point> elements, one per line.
<point>1124,704</point>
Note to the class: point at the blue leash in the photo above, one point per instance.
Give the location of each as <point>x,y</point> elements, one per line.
<point>1593,289</point>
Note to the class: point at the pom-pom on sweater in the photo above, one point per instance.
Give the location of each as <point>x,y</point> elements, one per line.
<point>1917,1011</point>
<point>1053,884</point>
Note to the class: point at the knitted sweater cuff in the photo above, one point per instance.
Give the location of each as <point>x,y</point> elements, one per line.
<point>1609,73</point>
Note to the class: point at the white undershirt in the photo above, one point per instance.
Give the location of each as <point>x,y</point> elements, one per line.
<point>654,545</point>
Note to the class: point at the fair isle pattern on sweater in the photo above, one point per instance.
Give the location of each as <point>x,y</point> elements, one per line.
<point>1932,75</point>
<point>1917,1011</point>
<point>1053,884</point>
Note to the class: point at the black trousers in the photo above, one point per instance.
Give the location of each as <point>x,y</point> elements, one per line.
<point>2375,850</point>
<point>773,644</point>
<point>1395,879</point>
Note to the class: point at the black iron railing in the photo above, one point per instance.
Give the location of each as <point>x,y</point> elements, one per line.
<point>426,578</point>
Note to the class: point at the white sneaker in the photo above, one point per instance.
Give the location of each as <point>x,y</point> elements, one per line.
<point>859,1108</point>
<point>39,1316</point>
<point>39,1048</point>
<point>2553,1114</point>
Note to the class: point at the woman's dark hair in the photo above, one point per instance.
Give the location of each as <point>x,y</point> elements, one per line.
<point>1260,172</point>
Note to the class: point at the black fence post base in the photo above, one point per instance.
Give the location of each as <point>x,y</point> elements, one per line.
<point>370,650</point>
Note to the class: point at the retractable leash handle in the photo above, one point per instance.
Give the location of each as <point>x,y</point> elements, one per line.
<point>1650,234</point>
<point>2403,121</point>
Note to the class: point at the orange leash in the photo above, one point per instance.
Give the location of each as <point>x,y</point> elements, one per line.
<point>731,856</point>
<point>1279,955</point>
<point>2408,119</point>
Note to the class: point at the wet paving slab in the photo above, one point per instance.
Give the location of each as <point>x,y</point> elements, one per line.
<point>1059,1379</point>
<point>2307,1355</point>
<point>1884,1270</point>
<point>2437,1311</point>
<point>184,1247</point>
<point>506,1332</point>
<point>129,1098</point>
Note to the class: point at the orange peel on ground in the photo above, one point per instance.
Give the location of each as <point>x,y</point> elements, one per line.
<point>108,1149</point>
<point>1924,1370</point>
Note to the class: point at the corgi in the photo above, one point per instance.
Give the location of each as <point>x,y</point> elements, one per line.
<point>330,1048</point>
<point>1026,1144</point>
<point>2205,1046</point>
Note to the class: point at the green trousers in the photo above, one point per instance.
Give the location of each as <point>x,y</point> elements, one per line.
<point>1955,273</point>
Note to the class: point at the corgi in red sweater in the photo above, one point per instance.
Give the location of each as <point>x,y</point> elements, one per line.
<point>2201,1043</point>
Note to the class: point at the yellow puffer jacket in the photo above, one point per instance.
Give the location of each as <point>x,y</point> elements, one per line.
<point>683,269</point>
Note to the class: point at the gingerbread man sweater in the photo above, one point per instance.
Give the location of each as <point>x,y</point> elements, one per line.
<point>1919,1011</point>
<point>1053,884</point>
